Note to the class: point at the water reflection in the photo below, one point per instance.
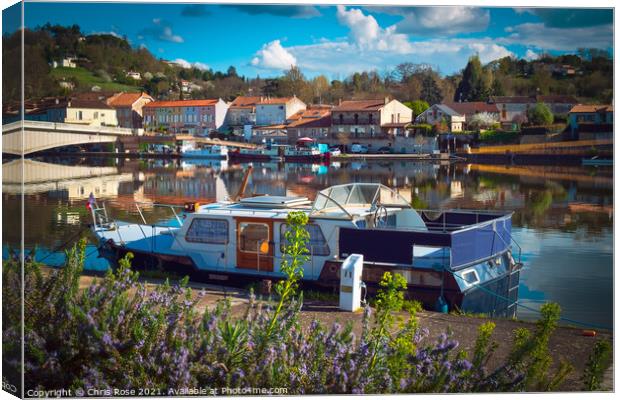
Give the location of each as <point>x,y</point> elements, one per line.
<point>563,215</point>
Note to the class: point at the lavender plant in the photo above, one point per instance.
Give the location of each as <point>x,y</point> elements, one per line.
<point>119,333</point>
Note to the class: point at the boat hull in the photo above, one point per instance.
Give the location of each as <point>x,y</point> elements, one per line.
<point>496,297</point>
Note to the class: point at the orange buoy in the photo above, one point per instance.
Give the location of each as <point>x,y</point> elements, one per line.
<point>590,333</point>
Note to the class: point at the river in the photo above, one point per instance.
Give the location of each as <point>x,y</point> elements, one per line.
<point>563,216</point>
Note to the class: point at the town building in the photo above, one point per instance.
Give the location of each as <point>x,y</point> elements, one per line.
<point>133,75</point>
<point>242,112</point>
<point>314,122</point>
<point>65,62</point>
<point>444,118</point>
<point>194,117</point>
<point>128,108</point>
<point>591,121</point>
<point>90,112</point>
<point>370,122</point>
<point>512,109</point>
<point>274,111</point>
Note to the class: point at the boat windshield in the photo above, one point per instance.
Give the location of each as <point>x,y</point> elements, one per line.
<point>351,199</point>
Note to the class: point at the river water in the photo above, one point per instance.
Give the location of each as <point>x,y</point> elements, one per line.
<point>563,216</point>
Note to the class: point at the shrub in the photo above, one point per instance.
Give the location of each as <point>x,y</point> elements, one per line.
<point>483,120</point>
<point>540,114</point>
<point>116,333</point>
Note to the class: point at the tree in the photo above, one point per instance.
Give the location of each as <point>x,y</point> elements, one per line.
<point>417,107</point>
<point>483,120</point>
<point>431,93</point>
<point>472,87</point>
<point>540,114</point>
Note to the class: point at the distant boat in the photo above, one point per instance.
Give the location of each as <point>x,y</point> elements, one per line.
<point>215,151</point>
<point>596,161</point>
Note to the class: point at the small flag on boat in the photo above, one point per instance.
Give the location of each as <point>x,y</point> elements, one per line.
<point>91,201</point>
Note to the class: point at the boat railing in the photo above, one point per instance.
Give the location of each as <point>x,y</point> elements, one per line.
<point>172,208</point>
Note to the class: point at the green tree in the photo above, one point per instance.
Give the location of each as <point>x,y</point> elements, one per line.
<point>540,114</point>
<point>431,93</point>
<point>472,86</point>
<point>417,107</point>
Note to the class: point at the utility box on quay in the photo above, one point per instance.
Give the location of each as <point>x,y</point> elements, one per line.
<point>351,282</point>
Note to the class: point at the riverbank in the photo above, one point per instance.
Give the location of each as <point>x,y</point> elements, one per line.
<point>567,343</point>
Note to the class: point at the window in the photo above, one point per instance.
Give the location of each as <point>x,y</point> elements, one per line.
<point>356,118</point>
<point>341,118</point>
<point>470,277</point>
<point>318,244</point>
<point>212,231</point>
<point>370,118</point>
<point>79,115</point>
<point>97,115</point>
<point>253,237</point>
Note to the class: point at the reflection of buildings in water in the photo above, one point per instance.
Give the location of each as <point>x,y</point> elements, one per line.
<point>64,181</point>
<point>456,190</point>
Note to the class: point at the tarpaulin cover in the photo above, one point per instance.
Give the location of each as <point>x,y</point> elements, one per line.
<point>389,246</point>
<point>478,243</point>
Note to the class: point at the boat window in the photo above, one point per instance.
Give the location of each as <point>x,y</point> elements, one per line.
<point>318,244</point>
<point>207,230</point>
<point>253,237</point>
<point>470,277</point>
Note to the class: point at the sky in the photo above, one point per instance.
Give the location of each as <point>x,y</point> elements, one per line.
<point>332,40</point>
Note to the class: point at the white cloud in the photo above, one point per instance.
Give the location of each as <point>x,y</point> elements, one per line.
<point>186,64</point>
<point>366,33</point>
<point>540,36</point>
<point>342,57</point>
<point>427,21</point>
<point>531,55</point>
<point>371,47</point>
<point>274,56</point>
<point>160,30</point>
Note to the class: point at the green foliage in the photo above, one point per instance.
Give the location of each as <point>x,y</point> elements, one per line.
<point>540,114</point>
<point>472,86</point>
<point>296,254</point>
<point>598,362</point>
<point>498,137</point>
<point>417,107</point>
<point>118,333</point>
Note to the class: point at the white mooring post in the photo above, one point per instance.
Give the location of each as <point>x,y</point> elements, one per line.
<point>351,282</point>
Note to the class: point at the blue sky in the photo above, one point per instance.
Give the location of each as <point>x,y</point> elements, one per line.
<point>333,40</point>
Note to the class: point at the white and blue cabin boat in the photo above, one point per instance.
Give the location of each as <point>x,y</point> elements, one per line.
<point>464,257</point>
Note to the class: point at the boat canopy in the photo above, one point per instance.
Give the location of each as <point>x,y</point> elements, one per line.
<point>351,199</point>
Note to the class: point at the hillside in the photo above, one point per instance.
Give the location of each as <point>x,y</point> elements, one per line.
<point>104,60</point>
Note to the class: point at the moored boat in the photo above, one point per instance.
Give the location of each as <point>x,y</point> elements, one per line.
<point>461,258</point>
<point>257,154</point>
<point>215,151</point>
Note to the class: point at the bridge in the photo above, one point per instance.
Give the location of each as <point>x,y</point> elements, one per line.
<point>27,137</point>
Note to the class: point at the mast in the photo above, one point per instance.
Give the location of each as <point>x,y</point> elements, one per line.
<point>244,183</point>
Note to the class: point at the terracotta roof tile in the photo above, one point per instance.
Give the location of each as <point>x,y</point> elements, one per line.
<point>245,101</point>
<point>275,100</point>
<point>591,108</point>
<point>126,99</point>
<point>360,105</point>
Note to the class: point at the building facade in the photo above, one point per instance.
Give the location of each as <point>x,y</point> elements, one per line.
<point>314,122</point>
<point>275,111</point>
<point>438,114</point>
<point>90,112</point>
<point>194,117</point>
<point>591,121</point>
<point>242,112</point>
<point>129,108</point>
